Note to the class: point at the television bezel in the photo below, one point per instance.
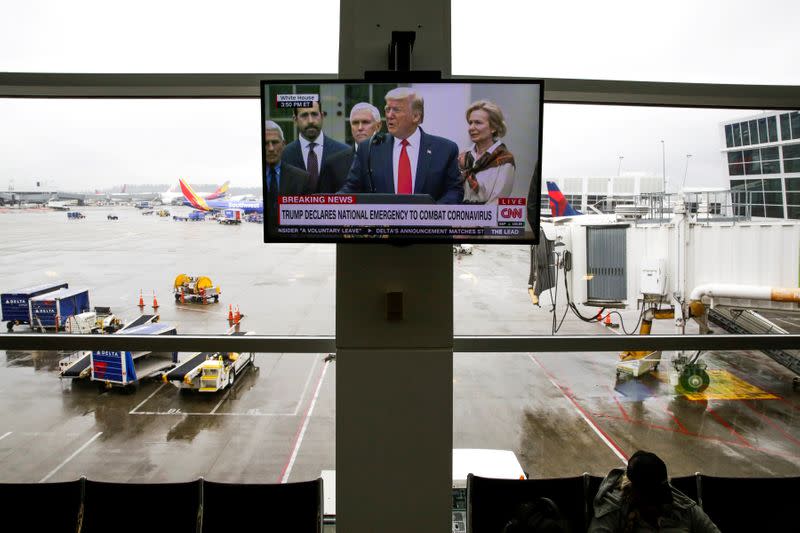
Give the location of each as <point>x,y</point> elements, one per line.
<point>533,211</point>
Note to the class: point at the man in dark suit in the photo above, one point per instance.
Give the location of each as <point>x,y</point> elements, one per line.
<point>280,178</point>
<point>313,147</point>
<point>408,161</point>
<point>365,121</point>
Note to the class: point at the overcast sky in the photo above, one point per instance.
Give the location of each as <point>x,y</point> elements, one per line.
<point>86,144</point>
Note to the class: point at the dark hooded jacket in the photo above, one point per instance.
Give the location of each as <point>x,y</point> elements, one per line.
<point>611,511</point>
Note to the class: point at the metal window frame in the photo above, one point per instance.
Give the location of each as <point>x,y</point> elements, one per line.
<point>461,343</point>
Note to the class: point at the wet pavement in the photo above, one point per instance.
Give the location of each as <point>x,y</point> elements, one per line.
<point>562,414</point>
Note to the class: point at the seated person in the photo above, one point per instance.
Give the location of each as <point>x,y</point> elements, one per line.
<point>641,499</point>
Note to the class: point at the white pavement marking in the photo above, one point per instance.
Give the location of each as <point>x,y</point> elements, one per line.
<point>178,412</point>
<point>68,459</point>
<point>6,435</point>
<point>305,388</point>
<point>133,411</point>
<point>600,433</point>
<point>288,469</point>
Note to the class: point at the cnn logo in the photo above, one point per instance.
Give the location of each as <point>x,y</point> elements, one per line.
<point>511,213</point>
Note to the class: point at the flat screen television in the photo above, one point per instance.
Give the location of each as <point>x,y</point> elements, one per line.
<point>455,161</point>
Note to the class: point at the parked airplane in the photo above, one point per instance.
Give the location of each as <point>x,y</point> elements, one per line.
<point>174,195</point>
<point>559,205</point>
<point>203,204</point>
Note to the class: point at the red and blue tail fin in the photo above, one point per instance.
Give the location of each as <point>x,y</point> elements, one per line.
<point>192,197</point>
<point>559,206</point>
<point>221,192</point>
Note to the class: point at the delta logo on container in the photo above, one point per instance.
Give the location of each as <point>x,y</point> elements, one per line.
<point>511,211</point>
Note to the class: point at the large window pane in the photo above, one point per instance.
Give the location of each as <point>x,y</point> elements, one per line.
<point>626,40</point>
<point>736,170</point>
<point>773,129</point>
<point>735,157</point>
<point>746,134</point>
<point>786,130</point>
<point>768,154</point>
<point>728,135</point>
<point>795,118</point>
<point>762,130</point>
<point>737,135</point>
<point>773,211</point>
<point>180,36</point>
<point>791,165</point>
<point>754,132</point>
<point>791,151</point>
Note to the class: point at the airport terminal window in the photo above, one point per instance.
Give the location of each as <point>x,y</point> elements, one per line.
<point>737,135</point>
<point>791,158</point>
<point>762,130</point>
<point>729,135</point>
<point>790,126</point>
<point>773,129</point>
<point>755,161</point>
<point>183,36</point>
<point>707,52</point>
<point>745,134</point>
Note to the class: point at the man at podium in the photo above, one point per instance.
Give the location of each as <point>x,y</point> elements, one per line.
<point>408,160</point>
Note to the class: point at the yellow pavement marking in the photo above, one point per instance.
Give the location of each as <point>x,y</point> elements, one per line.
<point>726,386</point>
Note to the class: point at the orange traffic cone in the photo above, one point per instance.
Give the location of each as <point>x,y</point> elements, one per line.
<point>183,297</point>
<point>230,313</point>
<point>599,316</point>
<point>238,316</point>
<point>608,322</point>
<point>155,302</point>
<point>141,299</point>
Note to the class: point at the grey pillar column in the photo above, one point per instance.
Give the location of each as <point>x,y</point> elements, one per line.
<point>394,378</point>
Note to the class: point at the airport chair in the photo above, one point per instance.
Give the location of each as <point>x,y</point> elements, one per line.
<point>591,485</point>
<point>137,507</point>
<point>51,507</point>
<point>491,502</point>
<point>688,486</point>
<point>279,507</point>
<point>751,504</point>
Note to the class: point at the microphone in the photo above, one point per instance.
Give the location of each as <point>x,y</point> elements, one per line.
<point>377,138</point>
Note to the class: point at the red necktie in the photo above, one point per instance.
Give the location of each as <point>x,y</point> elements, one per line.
<point>404,171</point>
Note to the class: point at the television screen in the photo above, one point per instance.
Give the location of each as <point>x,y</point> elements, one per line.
<point>445,161</point>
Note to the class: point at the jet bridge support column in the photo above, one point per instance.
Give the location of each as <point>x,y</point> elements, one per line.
<point>394,388</point>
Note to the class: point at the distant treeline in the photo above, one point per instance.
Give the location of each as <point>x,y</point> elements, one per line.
<point>161,187</point>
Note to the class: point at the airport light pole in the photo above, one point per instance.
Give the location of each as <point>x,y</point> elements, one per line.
<point>664,165</point>
<point>619,166</point>
<point>686,170</point>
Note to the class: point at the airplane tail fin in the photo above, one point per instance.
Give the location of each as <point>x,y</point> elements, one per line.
<point>559,205</point>
<point>192,197</point>
<point>220,192</point>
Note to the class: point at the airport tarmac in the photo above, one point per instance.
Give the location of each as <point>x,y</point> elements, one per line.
<point>562,414</point>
